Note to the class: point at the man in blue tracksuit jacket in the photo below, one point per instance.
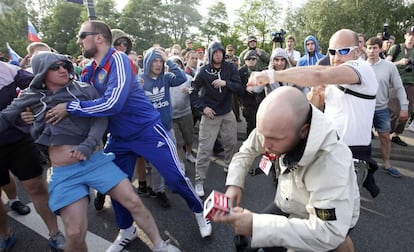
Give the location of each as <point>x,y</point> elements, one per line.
<point>134,124</point>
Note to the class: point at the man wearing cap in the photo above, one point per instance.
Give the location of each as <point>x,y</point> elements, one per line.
<point>250,100</point>
<point>262,56</point>
<point>403,59</point>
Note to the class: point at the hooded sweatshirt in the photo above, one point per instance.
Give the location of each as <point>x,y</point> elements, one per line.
<point>180,100</point>
<point>307,59</point>
<point>82,131</point>
<point>277,52</point>
<point>157,89</point>
<point>220,100</point>
<point>117,34</point>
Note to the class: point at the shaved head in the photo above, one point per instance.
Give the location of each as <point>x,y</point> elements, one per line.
<point>281,117</point>
<point>285,104</point>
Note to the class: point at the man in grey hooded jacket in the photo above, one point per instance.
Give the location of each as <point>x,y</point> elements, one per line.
<point>75,152</point>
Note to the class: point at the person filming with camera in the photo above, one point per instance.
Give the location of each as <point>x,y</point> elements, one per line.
<point>403,56</point>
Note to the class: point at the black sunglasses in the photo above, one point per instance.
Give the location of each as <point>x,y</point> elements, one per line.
<point>251,58</point>
<point>83,35</point>
<point>119,42</point>
<point>56,66</point>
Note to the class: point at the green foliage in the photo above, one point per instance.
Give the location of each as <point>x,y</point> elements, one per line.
<point>59,30</point>
<point>13,26</point>
<point>259,18</point>
<point>322,18</point>
<point>105,11</point>
<point>172,21</point>
<point>215,26</point>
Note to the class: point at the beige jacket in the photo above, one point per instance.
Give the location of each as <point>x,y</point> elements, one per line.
<point>320,193</point>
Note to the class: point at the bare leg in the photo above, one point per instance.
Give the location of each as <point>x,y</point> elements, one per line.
<point>346,246</point>
<point>75,219</point>
<point>37,189</point>
<point>4,228</point>
<point>125,195</point>
<point>385,148</point>
<point>10,189</point>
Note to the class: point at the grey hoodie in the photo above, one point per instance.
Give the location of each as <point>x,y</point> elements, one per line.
<point>277,52</point>
<point>85,132</point>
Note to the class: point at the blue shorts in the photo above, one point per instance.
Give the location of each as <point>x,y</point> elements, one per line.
<point>382,120</point>
<point>70,183</point>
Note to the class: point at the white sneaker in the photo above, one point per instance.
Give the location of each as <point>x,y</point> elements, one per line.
<point>199,188</point>
<point>167,247</point>
<point>189,156</point>
<point>204,225</point>
<point>411,126</point>
<point>122,240</point>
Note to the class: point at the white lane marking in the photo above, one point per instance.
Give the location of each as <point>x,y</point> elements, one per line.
<point>35,223</point>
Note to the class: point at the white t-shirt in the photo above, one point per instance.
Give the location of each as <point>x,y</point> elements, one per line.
<point>352,116</point>
<point>295,55</point>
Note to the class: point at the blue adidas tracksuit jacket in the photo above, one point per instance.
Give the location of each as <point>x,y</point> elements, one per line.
<point>134,126</point>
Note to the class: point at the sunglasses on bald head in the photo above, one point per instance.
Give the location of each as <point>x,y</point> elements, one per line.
<point>341,51</point>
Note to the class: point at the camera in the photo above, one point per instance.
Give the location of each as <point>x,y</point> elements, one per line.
<point>278,36</point>
<point>409,67</point>
<point>385,33</point>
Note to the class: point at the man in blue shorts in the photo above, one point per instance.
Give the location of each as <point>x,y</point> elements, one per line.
<point>15,143</point>
<point>387,77</point>
<point>75,152</point>
<point>134,124</point>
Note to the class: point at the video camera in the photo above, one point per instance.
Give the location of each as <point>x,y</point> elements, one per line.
<point>278,36</point>
<point>385,33</point>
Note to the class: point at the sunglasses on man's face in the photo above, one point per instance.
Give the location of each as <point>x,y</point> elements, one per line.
<point>119,42</point>
<point>341,51</point>
<point>83,35</point>
<point>248,59</point>
<point>56,66</point>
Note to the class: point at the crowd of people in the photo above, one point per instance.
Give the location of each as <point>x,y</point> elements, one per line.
<point>111,115</point>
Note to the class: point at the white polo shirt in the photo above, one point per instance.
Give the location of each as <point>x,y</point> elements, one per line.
<point>352,116</point>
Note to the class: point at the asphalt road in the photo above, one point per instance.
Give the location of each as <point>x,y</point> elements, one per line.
<point>386,222</point>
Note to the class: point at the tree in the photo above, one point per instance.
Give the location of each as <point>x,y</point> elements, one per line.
<point>215,25</point>
<point>106,11</point>
<point>13,26</point>
<point>259,18</point>
<point>322,18</point>
<point>142,20</point>
<point>180,16</point>
<point>59,30</point>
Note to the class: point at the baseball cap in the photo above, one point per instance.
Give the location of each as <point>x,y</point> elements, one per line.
<point>252,38</point>
<point>188,41</point>
<point>199,50</point>
<point>410,30</point>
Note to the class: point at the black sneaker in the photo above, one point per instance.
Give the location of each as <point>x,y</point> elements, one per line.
<point>146,192</point>
<point>163,200</point>
<point>99,201</point>
<point>397,140</point>
<point>20,208</point>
